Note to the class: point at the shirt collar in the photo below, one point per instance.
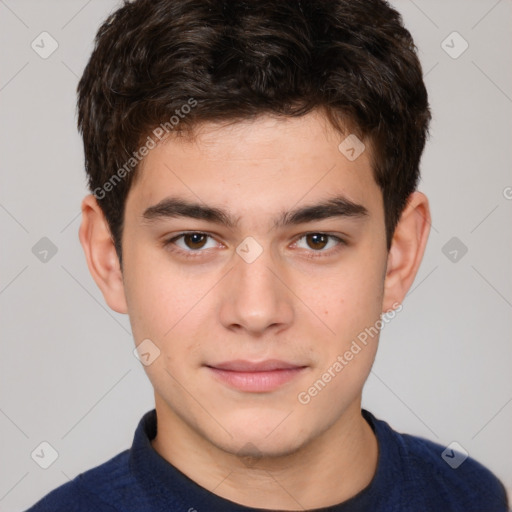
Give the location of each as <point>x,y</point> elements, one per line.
<point>167,488</point>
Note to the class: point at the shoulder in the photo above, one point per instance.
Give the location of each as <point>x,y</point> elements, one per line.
<point>100,489</point>
<point>439,476</point>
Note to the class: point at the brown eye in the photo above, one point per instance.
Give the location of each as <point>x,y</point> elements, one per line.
<point>195,240</point>
<point>190,244</point>
<point>320,244</point>
<point>317,241</point>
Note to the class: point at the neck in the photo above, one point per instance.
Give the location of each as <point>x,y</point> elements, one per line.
<point>330,469</point>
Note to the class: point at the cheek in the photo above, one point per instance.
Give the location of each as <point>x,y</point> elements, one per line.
<point>351,297</point>
<point>157,295</point>
<point>353,303</point>
<point>352,300</point>
<point>168,310</point>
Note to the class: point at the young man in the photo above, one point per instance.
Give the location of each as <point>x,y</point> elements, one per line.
<point>254,211</point>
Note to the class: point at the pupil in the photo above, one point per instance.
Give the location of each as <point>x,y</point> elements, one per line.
<point>319,238</point>
<point>196,238</point>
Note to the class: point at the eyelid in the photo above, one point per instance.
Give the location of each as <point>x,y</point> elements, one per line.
<point>192,253</point>
<point>312,253</point>
<point>322,253</point>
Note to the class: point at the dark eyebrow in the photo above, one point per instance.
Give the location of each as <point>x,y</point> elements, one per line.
<point>172,207</point>
<point>338,206</point>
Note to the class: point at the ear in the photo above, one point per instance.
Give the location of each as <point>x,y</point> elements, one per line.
<point>101,255</point>
<point>407,248</point>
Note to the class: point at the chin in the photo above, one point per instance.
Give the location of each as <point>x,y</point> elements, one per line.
<point>265,439</point>
<point>252,450</point>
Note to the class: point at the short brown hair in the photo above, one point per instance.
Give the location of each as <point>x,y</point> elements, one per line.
<point>237,59</point>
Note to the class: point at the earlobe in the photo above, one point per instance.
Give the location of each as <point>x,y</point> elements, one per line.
<point>407,249</point>
<point>101,255</point>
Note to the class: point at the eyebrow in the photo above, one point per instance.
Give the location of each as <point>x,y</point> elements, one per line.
<point>173,207</point>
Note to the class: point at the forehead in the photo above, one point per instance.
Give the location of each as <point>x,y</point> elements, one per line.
<point>266,164</point>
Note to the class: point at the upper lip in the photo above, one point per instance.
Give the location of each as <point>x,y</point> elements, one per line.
<point>240,365</point>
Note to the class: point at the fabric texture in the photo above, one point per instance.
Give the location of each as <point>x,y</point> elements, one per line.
<point>411,476</point>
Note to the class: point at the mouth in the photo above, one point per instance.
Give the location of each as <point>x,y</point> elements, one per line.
<point>255,377</point>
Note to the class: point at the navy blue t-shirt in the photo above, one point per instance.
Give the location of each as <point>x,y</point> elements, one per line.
<point>411,476</point>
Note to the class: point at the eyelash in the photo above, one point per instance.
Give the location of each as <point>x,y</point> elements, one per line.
<point>197,253</point>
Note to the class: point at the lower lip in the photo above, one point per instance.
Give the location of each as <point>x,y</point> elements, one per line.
<point>257,382</point>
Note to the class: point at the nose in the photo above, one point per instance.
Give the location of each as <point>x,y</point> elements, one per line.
<point>255,296</point>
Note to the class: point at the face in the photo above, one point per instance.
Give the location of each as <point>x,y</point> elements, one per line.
<point>251,304</point>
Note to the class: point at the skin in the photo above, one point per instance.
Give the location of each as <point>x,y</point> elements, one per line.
<point>267,449</point>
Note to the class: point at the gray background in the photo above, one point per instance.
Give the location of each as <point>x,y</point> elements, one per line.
<point>68,375</point>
